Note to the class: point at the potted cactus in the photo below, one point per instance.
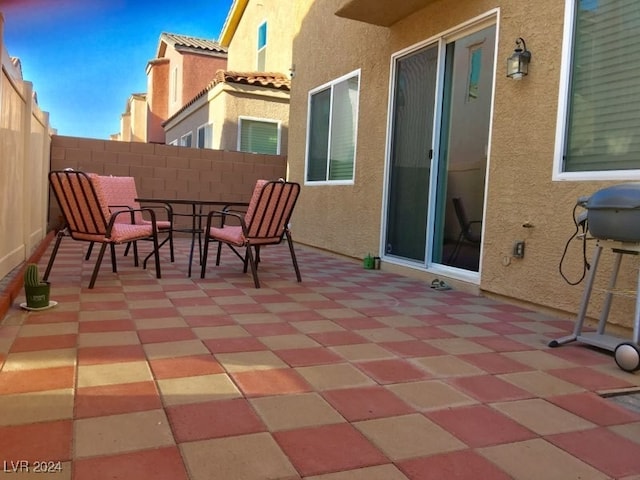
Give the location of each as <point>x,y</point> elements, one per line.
<point>36,291</point>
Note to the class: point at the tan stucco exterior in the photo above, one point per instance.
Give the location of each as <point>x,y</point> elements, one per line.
<point>224,105</point>
<point>347,219</point>
<point>281,28</point>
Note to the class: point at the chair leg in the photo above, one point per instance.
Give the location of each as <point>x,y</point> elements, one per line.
<point>114,265</point>
<point>156,249</point>
<point>53,255</point>
<point>126,250</point>
<point>171,245</point>
<point>293,256</point>
<point>96,269</point>
<point>135,254</point>
<point>203,260</point>
<point>88,255</point>
<point>254,268</point>
<point>218,254</point>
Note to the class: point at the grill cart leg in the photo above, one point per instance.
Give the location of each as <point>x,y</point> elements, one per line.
<point>586,295</point>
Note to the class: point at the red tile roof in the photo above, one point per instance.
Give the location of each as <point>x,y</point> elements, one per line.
<point>278,81</point>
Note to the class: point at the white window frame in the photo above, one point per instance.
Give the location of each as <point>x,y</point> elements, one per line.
<point>566,66</point>
<point>278,123</point>
<point>203,128</point>
<point>173,142</point>
<point>183,140</point>
<point>262,49</point>
<point>331,84</point>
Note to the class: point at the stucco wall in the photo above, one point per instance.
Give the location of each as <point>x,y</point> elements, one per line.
<point>520,189</point>
<point>280,16</point>
<point>223,106</point>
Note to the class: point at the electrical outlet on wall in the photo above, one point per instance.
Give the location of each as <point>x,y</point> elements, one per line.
<point>518,249</point>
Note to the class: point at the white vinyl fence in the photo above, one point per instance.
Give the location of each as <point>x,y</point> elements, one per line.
<point>25,139</point>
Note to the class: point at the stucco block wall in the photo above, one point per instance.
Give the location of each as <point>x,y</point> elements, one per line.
<point>520,189</point>
<point>163,171</point>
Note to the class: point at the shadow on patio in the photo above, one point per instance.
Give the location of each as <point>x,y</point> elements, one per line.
<point>351,374</point>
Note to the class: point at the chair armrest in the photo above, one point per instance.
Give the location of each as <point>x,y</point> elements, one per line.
<point>130,211</point>
<point>223,214</point>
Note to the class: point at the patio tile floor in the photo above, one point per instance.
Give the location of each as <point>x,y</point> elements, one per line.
<point>352,374</point>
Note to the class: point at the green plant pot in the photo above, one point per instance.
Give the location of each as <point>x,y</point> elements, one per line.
<point>38,295</point>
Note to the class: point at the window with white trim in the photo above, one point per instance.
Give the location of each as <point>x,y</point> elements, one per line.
<point>205,136</point>
<point>262,47</point>
<point>185,140</point>
<point>259,136</point>
<point>332,127</point>
<point>599,108</point>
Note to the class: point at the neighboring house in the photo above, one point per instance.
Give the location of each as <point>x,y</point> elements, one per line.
<point>133,122</point>
<point>397,108</point>
<point>183,66</point>
<point>246,106</point>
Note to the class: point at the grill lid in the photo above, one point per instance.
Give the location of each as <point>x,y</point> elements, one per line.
<point>623,196</point>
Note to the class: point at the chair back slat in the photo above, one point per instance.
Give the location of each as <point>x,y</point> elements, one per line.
<point>79,202</point>
<point>273,210</point>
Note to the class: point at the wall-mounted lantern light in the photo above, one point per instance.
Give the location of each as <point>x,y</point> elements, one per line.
<point>518,63</point>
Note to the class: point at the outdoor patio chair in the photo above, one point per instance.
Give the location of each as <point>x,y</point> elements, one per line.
<point>121,194</point>
<point>265,222</point>
<point>88,218</point>
<point>468,230</point>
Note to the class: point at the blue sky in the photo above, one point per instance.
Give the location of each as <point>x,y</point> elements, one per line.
<point>86,57</point>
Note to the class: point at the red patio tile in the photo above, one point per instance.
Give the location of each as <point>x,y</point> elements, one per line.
<point>460,465</point>
<point>189,366</point>
<point>589,378</point>
<point>426,333</point>
<point>234,345</point>
<point>240,308</point>
<point>103,306</point>
<point>596,409</point>
<point>581,354</point>
<point>495,363</point>
<point>330,448</point>
<point>392,371</point>
<point>157,335</point>
<point>35,380</point>
<point>52,316</point>
<point>610,453</point>
<point>46,342</point>
<point>480,426</point>
<point>269,329</point>
<point>208,320</point>
<point>45,441</point>
<point>114,354</point>
<point>304,357</point>
<point>222,418</point>
<point>157,464</point>
<point>504,328</point>
<point>97,326</point>
<point>192,301</point>
<point>488,388</point>
<point>330,339</point>
<point>114,399</point>
<point>359,323</point>
<point>278,381</point>
<point>138,296</point>
<point>141,313</point>
<point>412,348</point>
<point>366,403</point>
<point>501,344</point>
<point>300,316</point>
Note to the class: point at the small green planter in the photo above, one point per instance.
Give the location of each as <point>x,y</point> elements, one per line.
<point>37,295</point>
<point>36,291</point>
